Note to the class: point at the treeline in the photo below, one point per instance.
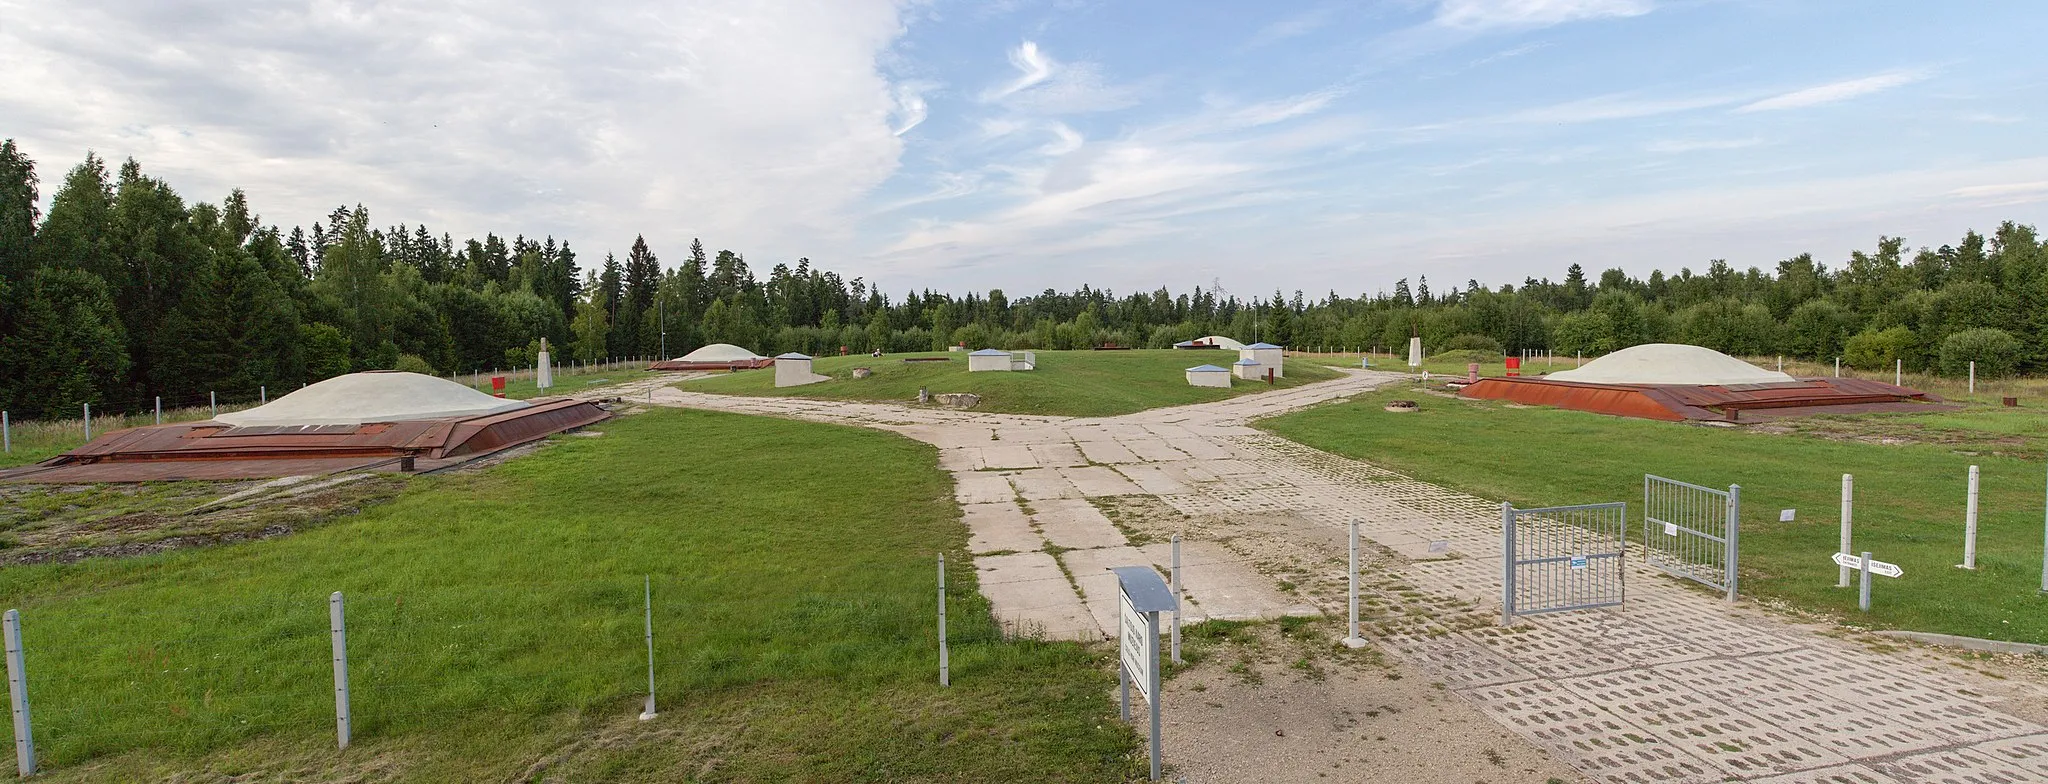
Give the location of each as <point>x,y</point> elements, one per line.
<point>125,292</point>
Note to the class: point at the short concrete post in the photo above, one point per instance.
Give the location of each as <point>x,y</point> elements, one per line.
<point>1973,377</point>
<point>1970,524</point>
<point>647,584</point>
<point>6,433</point>
<point>945,663</point>
<point>17,693</point>
<point>1898,372</point>
<point>262,395</point>
<point>213,402</point>
<point>1848,507</point>
<point>1838,367</point>
<point>339,629</point>
<point>88,420</point>
<point>159,409</point>
<point>1351,638</point>
<point>1781,363</point>
<point>1863,592</point>
<point>1178,597</point>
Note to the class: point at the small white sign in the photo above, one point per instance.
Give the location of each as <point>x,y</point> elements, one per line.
<point>1139,649</point>
<point>1578,561</point>
<point>1670,529</point>
<point>1439,546</point>
<point>1786,515</point>
<point>1877,567</point>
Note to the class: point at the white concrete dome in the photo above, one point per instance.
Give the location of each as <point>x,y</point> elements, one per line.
<point>1670,363</point>
<point>376,396</point>
<point>719,352</point>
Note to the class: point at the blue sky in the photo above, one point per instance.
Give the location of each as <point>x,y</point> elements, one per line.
<point>1027,145</point>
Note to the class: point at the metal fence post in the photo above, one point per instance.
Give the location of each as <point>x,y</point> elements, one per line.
<point>1863,592</point>
<point>1848,508</point>
<point>1507,564</point>
<point>1177,598</point>
<point>159,409</point>
<point>262,394</point>
<point>647,582</point>
<point>1734,531</point>
<point>17,692</point>
<point>213,402</point>
<point>88,420</point>
<point>1352,640</point>
<point>2044,555</point>
<point>945,664</point>
<point>340,631</point>
<point>1973,378</point>
<point>1970,524</point>
<point>6,434</point>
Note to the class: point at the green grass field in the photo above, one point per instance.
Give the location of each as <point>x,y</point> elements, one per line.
<point>1909,496</point>
<point>495,622</point>
<point>1067,383</point>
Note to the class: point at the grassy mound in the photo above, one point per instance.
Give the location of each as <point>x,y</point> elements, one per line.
<point>1067,383</point>
<point>495,623</point>
<point>1909,496</point>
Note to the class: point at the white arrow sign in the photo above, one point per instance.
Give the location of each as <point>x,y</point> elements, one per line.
<point>1877,567</point>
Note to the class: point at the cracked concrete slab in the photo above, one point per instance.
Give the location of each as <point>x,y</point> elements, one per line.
<point>999,527</point>
<point>1075,523</point>
<point>1031,595</point>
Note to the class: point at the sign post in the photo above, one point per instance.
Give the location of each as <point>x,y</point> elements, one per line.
<point>1143,597</point>
<point>1867,566</point>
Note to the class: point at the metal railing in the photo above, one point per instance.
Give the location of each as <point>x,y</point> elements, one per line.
<point>1562,558</point>
<point>1692,532</point>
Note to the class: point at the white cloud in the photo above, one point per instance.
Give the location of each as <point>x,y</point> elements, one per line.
<point>756,126</point>
<point>1494,14</point>
<point>911,110</point>
<point>1695,145</point>
<point>1287,27</point>
<point>1033,67</point>
<point>2004,194</point>
<point>1833,92</point>
<point>1044,85</point>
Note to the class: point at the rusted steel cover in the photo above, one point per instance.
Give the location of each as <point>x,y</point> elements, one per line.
<point>1676,402</point>
<point>210,450</point>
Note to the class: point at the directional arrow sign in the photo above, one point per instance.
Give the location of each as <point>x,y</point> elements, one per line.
<point>1877,567</point>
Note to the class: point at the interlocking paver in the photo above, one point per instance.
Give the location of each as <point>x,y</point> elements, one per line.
<point>1674,686</point>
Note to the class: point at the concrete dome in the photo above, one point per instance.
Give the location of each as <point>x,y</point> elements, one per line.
<point>376,396</point>
<point>719,352</point>
<point>1670,363</point>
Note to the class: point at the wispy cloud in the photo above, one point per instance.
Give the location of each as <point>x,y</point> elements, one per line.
<point>1291,26</point>
<point>1834,92</point>
<point>2004,194</point>
<point>1695,145</point>
<point>1496,14</point>
<point>1033,66</point>
<point>911,110</point>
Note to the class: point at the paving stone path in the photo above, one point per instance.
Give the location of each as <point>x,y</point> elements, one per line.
<point>1676,686</point>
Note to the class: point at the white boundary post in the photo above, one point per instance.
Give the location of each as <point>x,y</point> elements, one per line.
<point>647,583</point>
<point>1351,638</point>
<point>17,692</point>
<point>1970,524</point>
<point>213,402</point>
<point>945,663</point>
<point>6,434</point>
<point>1973,378</point>
<point>1838,367</point>
<point>1177,598</point>
<point>1848,508</point>
<point>88,420</point>
<point>262,395</point>
<point>1898,372</point>
<point>159,409</point>
<point>339,628</point>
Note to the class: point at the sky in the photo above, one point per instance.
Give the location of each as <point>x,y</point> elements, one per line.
<point>1033,144</point>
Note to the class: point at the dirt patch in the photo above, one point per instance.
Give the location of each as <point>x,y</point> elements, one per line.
<point>1282,701</point>
<point>64,524</point>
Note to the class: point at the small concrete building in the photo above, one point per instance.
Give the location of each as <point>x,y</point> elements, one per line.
<point>988,359</point>
<point>1269,357</point>
<point>794,370</point>
<point>1208,376</point>
<point>1247,369</point>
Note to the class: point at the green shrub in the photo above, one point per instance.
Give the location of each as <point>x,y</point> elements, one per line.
<point>413,364</point>
<point>1996,352</point>
<point>1468,341</point>
<point>1878,349</point>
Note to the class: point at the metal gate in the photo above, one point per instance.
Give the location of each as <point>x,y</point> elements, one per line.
<point>1562,558</point>
<point>1691,531</point>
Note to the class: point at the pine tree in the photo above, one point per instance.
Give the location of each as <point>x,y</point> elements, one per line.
<point>17,212</point>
